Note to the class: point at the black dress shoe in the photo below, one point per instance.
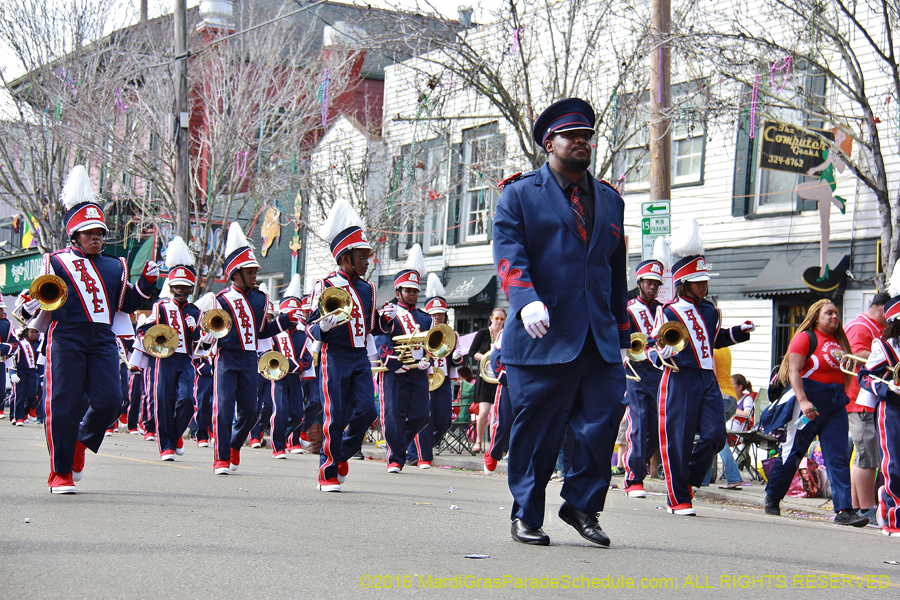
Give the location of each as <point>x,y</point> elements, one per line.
<point>529,535</point>
<point>584,523</point>
<point>772,506</point>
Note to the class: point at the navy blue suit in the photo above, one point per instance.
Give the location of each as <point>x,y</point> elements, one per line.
<point>83,389</point>
<point>26,390</point>
<point>7,347</point>
<point>574,372</point>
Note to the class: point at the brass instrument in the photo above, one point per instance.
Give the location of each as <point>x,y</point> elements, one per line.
<point>636,353</point>
<point>160,341</point>
<point>216,322</point>
<point>847,366</point>
<point>335,301</point>
<point>377,366</point>
<point>484,367</point>
<point>435,379</point>
<point>273,365</point>
<point>50,291</point>
<point>438,342</point>
<point>675,335</point>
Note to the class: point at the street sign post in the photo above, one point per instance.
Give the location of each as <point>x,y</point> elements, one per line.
<point>656,221</point>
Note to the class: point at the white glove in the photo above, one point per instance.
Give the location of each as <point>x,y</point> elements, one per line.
<point>402,369</point>
<point>207,339</point>
<point>457,354</point>
<point>424,364</point>
<point>623,352</point>
<point>32,305</point>
<point>536,319</point>
<point>190,322</point>
<point>14,378</point>
<point>328,323</point>
<point>151,270</point>
<point>664,351</point>
<point>389,311</point>
<point>747,326</point>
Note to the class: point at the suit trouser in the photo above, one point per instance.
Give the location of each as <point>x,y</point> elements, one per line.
<point>404,410</point>
<point>173,387</point>
<point>264,398</point>
<point>589,394</point>
<point>833,430</point>
<point>502,424</point>
<point>83,394</point>
<point>887,421</point>
<point>287,409</point>
<point>690,403</point>
<point>235,387</point>
<point>148,404</point>
<point>123,379</point>
<point>135,391</point>
<point>439,418</point>
<point>24,393</point>
<point>642,423</point>
<point>348,404</point>
<point>203,387</point>
<point>312,404</point>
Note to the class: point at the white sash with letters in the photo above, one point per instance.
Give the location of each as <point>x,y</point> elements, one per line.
<point>175,321</point>
<point>409,325</point>
<point>357,321</point>
<point>702,339</point>
<point>89,287</point>
<point>642,316</point>
<point>244,322</point>
<point>28,354</point>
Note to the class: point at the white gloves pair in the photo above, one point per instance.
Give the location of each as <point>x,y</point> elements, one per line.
<point>747,326</point>
<point>190,322</point>
<point>328,323</point>
<point>389,310</point>
<point>536,319</point>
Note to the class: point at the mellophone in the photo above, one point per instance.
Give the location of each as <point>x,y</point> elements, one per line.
<point>672,334</point>
<point>848,365</point>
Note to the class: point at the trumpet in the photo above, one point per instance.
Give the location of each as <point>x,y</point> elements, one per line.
<point>484,366</point>
<point>160,341</point>
<point>377,366</point>
<point>335,301</point>
<point>50,291</point>
<point>438,342</point>
<point>216,322</point>
<point>435,380</point>
<point>848,366</point>
<point>636,353</point>
<point>273,365</point>
<point>675,335</point>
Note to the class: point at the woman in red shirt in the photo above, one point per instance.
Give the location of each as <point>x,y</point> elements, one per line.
<point>818,388</point>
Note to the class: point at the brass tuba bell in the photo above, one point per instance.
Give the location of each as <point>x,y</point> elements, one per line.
<point>484,368</point>
<point>216,322</point>
<point>438,342</point>
<point>273,365</point>
<point>435,379</point>
<point>49,290</point>
<point>160,341</point>
<point>335,301</point>
<point>675,335</point>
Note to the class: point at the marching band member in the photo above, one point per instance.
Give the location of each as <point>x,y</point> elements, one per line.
<point>264,386</point>
<point>501,412</point>
<point>421,450</point>
<point>135,386</point>
<point>345,372</point>
<point>25,379</point>
<point>173,376</point>
<point>236,364</point>
<point>125,345</point>
<point>7,346</point>
<point>403,392</point>
<point>83,394</point>
<point>641,412</point>
<point>689,399</point>
<point>308,437</point>
<point>203,380</point>
<point>559,250</point>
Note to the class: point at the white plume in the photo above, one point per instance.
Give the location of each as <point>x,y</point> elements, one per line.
<point>894,283</point>
<point>142,318</point>
<point>165,292</point>
<point>77,188</point>
<point>661,252</point>
<point>236,238</point>
<point>293,289</point>
<point>264,289</point>
<point>415,260</point>
<point>178,253</point>
<point>206,302</point>
<point>434,287</point>
<point>309,286</point>
<point>340,217</point>
<point>686,241</point>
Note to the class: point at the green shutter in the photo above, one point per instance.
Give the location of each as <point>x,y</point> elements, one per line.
<point>740,198</point>
<point>815,83</point>
<point>455,189</point>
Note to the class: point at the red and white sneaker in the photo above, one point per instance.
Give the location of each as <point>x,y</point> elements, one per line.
<point>78,461</point>
<point>635,491</point>
<point>329,485</point>
<point>343,471</point>
<point>61,483</point>
<point>167,455</point>
<point>295,449</point>
<point>149,437</point>
<point>279,454</point>
<point>255,443</point>
<point>490,465</point>
<point>20,423</point>
<point>304,440</point>
<point>133,431</point>
<point>108,433</point>
<point>221,467</point>
<point>424,464</point>
<point>203,443</point>
<point>685,509</point>
<point>179,446</point>
<point>235,459</point>
<point>394,468</point>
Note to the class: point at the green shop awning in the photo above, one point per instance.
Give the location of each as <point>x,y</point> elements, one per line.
<point>17,272</point>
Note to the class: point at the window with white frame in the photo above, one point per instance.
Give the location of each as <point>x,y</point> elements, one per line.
<point>420,196</point>
<point>481,168</point>
<point>273,283</point>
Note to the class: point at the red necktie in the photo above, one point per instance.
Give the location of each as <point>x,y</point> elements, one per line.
<point>575,201</point>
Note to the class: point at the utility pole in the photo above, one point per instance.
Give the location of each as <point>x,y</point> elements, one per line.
<point>182,122</point>
<point>660,102</point>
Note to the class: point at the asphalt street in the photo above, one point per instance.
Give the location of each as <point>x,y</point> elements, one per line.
<point>140,528</point>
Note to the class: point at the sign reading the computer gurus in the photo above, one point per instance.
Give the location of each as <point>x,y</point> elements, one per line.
<point>786,148</point>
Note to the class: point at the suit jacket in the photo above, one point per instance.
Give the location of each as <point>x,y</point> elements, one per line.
<point>540,257</point>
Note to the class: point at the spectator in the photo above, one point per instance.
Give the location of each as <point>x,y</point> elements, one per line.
<point>733,479</point>
<point>484,391</point>
<point>744,413</point>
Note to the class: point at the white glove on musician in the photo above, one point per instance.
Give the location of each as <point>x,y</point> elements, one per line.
<point>536,319</point>
<point>207,339</point>
<point>328,323</point>
<point>457,354</point>
<point>32,305</point>
<point>151,271</point>
<point>664,351</point>
<point>402,369</point>
<point>424,364</point>
<point>623,352</point>
<point>14,378</point>
<point>190,322</point>
<point>389,311</point>
<point>747,326</point>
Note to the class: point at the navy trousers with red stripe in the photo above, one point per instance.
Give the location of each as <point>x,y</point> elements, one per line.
<point>439,418</point>
<point>642,419</point>
<point>287,409</point>
<point>148,404</point>
<point>404,410</point>
<point>24,393</point>
<point>690,403</point>
<point>502,423</point>
<point>888,423</point>
<point>348,405</point>
<point>235,387</point>
<point>589,394</point>
<point>135,391</point>
<point>173,391</point>
<point>203,388</point>
<point>312,404</point>
<point>83,393</point>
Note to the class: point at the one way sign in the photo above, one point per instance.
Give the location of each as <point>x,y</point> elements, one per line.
<point>655,209</point>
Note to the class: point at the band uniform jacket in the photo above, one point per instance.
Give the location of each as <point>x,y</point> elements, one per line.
<point>364,318</point>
